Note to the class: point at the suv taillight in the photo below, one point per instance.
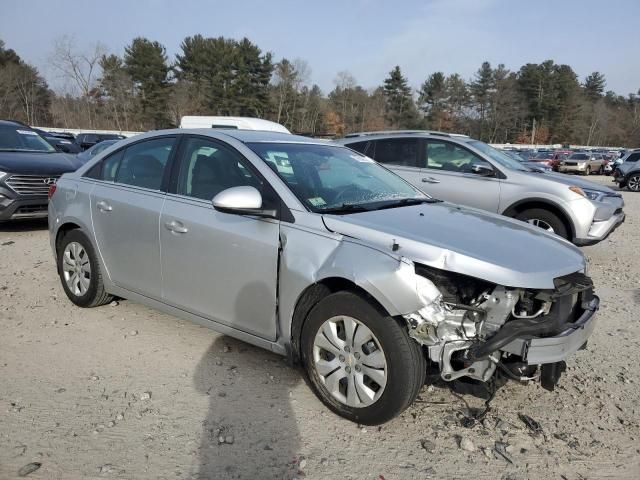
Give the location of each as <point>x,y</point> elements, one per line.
<point>52,190</point>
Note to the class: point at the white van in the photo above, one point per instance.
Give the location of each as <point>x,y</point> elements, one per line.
<point>239,123</point>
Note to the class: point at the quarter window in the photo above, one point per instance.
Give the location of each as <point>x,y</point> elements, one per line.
<point>143,163</point>
<point>452,158</point>
<point>397,151</point>
<point>209,168</point>
<point>359,147</point>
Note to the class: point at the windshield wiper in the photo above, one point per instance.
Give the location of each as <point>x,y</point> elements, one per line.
<point>405,202</point>
<point>346,208</point>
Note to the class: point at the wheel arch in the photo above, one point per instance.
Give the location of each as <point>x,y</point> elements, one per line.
<point>311,296</point>
<point>545,204</point>
<point>63,230</point>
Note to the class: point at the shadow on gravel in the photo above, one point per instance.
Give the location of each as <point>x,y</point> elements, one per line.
<point>250,430</point>
<point>15,226</point>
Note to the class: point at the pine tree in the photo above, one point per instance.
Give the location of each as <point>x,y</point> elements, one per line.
<point>146,62</point>
<point>594,85</point>
<point>433,100</point>
<point>400,109</point>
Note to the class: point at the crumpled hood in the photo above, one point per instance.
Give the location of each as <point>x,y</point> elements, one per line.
<point>468,241</point>
<point>37,163</point>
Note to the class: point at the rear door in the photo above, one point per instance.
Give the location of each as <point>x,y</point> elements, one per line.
<point>454,173</point>
<point>220,266</point>
<point>125,209</point>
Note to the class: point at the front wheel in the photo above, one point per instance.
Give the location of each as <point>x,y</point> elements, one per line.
<point>545,220</point>
<point>588,170</point>
<point>80,272</point>
<point>360,362</point>
<point>633,182</point>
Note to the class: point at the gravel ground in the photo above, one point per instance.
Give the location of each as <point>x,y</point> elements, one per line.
<point>123,391</point>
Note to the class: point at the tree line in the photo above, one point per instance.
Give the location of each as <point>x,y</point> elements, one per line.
<point>143,89</point>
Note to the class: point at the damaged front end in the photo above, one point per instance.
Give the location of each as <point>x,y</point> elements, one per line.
<point>471,327</point>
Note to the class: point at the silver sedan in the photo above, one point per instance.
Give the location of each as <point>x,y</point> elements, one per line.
<point>318,253</point>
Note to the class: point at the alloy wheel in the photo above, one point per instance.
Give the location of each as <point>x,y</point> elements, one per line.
<point>634,183</point>
<point>76,268</point>
<point>350,361</point>
<point>541,224</point>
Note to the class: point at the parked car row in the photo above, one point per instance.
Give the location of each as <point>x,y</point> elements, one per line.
<point>584,162</point>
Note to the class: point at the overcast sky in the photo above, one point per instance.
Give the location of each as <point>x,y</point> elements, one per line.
<point>365,37</point>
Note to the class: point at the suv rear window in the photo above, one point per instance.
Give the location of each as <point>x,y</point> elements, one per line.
<point>397,151</point>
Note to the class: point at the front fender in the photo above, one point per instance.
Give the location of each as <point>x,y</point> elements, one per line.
<point>307,258</point>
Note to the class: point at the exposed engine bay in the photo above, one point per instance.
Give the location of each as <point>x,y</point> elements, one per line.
<point>471,327</point>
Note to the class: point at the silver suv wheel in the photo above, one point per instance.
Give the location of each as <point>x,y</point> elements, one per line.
<point>633,183</point>
<point>541,224</point>
<point>76,268</point>
<point>350,361</point>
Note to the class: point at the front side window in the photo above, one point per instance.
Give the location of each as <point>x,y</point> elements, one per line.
<point>499,157</point>
<point>328,177</point>
<point>397,151</point>
<point>208,168</point>
<point>143,163</point>
<point>452,158</point>
<point>633,157</point>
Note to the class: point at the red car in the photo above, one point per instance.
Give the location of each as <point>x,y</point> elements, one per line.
<point>549,159</point>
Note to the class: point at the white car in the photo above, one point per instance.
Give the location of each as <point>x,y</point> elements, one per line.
<point>234,123</point>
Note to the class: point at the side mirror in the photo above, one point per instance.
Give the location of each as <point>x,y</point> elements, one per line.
<point>242,201</point>
<point>482,170</point>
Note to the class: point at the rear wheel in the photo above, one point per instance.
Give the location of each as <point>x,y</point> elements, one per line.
<point>80,272</point>
<point>633,182</point>
<point>544,219</point>
<point>361,363</point>
<point>601,170</point>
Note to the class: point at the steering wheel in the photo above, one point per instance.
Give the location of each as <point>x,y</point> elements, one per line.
<point>343,191</point>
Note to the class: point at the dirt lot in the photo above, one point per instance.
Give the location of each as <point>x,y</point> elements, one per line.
<point>122,391</point>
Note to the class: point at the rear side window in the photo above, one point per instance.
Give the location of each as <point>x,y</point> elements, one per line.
<point>397,151</point>
<point>143,164</point>
<point>110,166</point>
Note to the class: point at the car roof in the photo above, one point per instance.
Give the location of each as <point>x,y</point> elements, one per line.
<point>384,134</point>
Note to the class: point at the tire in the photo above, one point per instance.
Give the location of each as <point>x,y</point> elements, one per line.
<point>74,254</point>
<point>378,341</point>
<point>601,170</point>
<point>588,170</point>
<point>633,182</point>
<point>540,217</point>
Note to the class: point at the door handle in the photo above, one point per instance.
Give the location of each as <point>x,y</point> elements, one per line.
<point>176,227</point>
<point>430,180</point>
<point>104,206</point>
